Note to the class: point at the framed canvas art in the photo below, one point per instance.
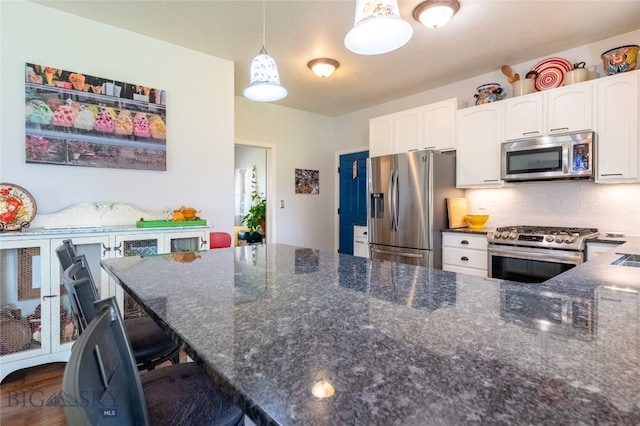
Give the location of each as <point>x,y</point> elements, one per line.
<point>307,181</point>
<point>82,120</point>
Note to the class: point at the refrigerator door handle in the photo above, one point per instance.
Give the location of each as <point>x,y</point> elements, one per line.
<point>392,216</point>
<point>394,201</point>
<point>395,253</point>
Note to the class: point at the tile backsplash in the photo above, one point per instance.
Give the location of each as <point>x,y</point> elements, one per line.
<point>561,203</point>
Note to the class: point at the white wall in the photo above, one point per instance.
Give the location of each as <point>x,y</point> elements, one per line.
<point>200,105</point>
<point>607,207</point>
<point>303,141</point>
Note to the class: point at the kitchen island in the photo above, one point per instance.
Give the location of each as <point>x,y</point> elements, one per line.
<point>398,344</point>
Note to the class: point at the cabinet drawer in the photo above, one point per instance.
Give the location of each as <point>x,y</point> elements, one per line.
<point>360,232</point>
<point>464,241</point>
<point>467,258</point>
<point>465,270</point>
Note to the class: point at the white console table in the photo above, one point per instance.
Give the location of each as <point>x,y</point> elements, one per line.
<point>35,321</point>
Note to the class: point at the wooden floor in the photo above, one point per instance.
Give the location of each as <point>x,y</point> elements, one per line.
<point>25,394</point>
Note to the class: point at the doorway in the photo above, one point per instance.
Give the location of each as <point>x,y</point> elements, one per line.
<point>254,164</point>
<point>352,208</point>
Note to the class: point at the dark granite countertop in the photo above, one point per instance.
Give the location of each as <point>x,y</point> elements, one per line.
<point>400,344</point>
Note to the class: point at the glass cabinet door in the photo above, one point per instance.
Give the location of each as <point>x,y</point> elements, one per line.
<point>29,308</point>
<point>143,244</point>
<point>137,245</point>
<point>185,241</point>
<point>94,248</point>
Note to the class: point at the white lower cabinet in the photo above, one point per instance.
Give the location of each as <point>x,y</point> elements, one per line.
<point>596,249</point>
<point>360,241</point>
<point>35,315</point>
<point>465,253</point>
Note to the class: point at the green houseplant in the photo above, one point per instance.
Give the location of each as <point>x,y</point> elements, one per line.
<point>255,219</point>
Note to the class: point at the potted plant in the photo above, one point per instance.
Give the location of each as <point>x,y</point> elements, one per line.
<point>255,219</point>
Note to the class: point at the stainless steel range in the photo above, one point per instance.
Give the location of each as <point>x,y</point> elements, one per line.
<point>534,254</point>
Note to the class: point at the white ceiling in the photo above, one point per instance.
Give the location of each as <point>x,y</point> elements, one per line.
<point>481,37</point>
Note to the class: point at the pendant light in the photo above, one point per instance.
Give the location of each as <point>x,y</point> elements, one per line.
<point>265,82</point>
<point>378,28</point>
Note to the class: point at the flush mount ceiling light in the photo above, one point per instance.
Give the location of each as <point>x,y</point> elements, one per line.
<point>265,81</point>
<point>323,67</point>
<point>378,28</point>
<point>435,13</point>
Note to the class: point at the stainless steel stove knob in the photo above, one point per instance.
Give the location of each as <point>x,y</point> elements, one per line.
<point>559,239</point>
<point>570,240</point>
<point>505,234</point>
<point>513,236</point>
<point>549,238</point>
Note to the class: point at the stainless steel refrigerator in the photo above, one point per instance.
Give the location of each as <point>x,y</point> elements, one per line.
<point>407,205</point>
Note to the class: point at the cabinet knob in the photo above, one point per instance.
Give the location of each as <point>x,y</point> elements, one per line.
<point>464,258</point>
<point>465,242</point>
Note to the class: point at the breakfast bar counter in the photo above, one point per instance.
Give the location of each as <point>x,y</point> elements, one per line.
<point>300,336</point>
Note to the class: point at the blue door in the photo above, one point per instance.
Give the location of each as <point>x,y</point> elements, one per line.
<point>353,197</point>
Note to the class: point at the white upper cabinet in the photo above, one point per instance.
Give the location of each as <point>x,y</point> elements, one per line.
<point>479,140</point>
<point>430,126</point>
<point>381,135</point>
<point>407,130</point>
<point>440,125</point>
<point>570,108</point>
<point>618,156</point>
<point>523,117</point>
<point>557,111</point>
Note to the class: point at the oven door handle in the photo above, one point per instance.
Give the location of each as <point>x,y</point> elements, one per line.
<point>573,258</point>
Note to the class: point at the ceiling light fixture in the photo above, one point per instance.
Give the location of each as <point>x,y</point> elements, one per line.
<point>435,13</point>
<point>378,28</point>
<point>323,67</point>
<point>265,81</point>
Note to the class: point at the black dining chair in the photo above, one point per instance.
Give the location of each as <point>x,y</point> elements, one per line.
<point>103,370</point>
<point>151,345</point>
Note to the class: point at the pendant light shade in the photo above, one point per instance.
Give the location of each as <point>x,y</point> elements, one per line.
<point>378,28</point>
<point>264,85</point>
<point>265,81</point>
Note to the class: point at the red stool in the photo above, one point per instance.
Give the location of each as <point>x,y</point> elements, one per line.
<point>219,240</point>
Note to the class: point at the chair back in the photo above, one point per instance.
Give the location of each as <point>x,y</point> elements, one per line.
<point>66,252</point>
<point>82,292</point>
<point>101,375</point>
<point>219,240</point>
<point>67,255</point>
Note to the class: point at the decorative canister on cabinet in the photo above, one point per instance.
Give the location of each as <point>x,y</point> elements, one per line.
<point>489,92</point>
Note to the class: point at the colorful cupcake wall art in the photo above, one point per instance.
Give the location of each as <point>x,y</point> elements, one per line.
<point>117,124</point>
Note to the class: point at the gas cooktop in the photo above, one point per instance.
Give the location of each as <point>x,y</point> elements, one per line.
<point>552,237</point>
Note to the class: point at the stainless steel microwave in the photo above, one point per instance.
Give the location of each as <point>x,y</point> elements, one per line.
<point>569,156</point>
